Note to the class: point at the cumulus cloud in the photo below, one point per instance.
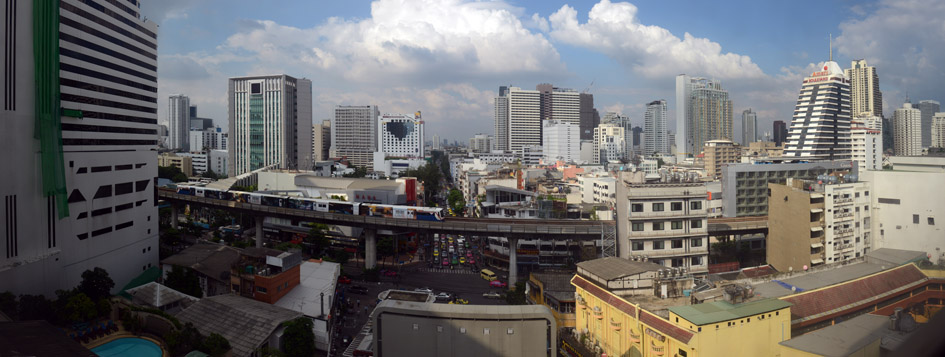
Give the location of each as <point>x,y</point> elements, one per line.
<point>159,11</point>
<point>903,40</point>
<point>651,51</point>
<point>438,40</point>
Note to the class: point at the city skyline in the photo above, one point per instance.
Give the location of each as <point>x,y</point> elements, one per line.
<point>451,75</point>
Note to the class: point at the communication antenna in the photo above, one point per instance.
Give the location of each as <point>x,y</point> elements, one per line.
<point>830,44</point>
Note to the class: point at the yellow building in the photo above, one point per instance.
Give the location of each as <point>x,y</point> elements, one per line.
<point>615,327</point>
<point>555,291</point>
<point>717,153</point>
<point>184,163</point>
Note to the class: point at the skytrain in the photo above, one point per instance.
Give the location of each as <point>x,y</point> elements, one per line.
<point>315,204</point>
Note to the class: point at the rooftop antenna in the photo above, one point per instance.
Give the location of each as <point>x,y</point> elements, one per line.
<point>830,44</point>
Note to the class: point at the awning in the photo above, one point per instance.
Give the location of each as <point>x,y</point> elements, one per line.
<point>816,229</point>
<point>816,245</point>
<point>816,210</point>
<point>816,261</point>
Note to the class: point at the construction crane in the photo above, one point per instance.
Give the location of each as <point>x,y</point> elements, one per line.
<point>588,88</point>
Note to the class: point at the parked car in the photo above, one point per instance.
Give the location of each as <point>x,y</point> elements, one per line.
<point>462,260</point>
<point>344,280</point>
<point>386,272</point>
<point>497,284</point>
<point>446,262</point>
<point>443,297</point>
<point>460,302</point>
<point>423,290</point>
<point>492,295</point>
<point>358,289</point>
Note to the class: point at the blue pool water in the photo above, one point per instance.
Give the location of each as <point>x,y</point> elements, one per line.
<point>128,346</point>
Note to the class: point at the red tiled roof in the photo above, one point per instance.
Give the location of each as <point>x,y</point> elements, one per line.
<point>848,296</point>
<point>654,321</point>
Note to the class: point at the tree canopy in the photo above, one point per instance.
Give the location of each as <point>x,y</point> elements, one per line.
<point>96,284</point>
<point>299,338</point>
<point>171,173</point>
<point>184,280</point>
<point>456,201</point>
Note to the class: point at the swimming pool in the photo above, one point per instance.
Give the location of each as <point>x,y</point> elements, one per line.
<point>129,346</point>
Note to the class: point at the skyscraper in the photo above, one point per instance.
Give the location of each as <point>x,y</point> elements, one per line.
<point>79,134</point>
<point>590,118</point>
<point>501,116</point>
<point>820,128</point>
<point>321,141</point>
<point>907,133</point>
<point>270,123</point>
<point>401,135</point>
<point>938,130</point>
<point>354,134</point>
<point>178,122</point>
<point>609,143</point>
<point>865,96</point>
<point>524,118</point>
<point>703,113</point>
<point>779,132</point>
<point>654,127</point>
<point>749,127</point>
<point>928,109</point>
<point>561,141</point>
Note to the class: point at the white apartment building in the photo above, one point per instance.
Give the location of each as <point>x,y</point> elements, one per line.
<point>938,130</point>
<point>209,139</point>
<point>354,133</point>
<point>178,122</point>
<point>270,123</point>
<point>480,143</point>
<point>500,114</point>
<point>865,96</point>
<point>561,141</point>
<point>400,135</point>
<point>80,193</point>
<point>867,146</point>
<point>848,223</point>
<point>524,118</point>
<point>654,129</point>
<point>609,143</point>
<point>907,131</point>
<point>217,161</point>
<point>820,128</point>
<point>532,154</point>
<point>667,223</point>
<point>703,113</point>
<point>199,161</point>
<point>566,106</point>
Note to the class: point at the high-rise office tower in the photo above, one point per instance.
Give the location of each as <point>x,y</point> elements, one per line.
<point>178,122</point>
<point>561,141</point>
<point>749,127</point>
<point>779,132</point>
<point>865,96</point>
<point>820,128</point>
<point>928,109</point>
<point>270,121</point>
<point>703,113</point>
<point>654,127</point>
<point>210,139</point>
<point>566,106</point>
<point>637,137</point>
<point>938,130</point>
<point>907,130</point>
<point>609,143</point>
<point>436,142</point>
<point>401,135</point>
<point>321,141</point>
<point>544,93</point>
<point>524,110</point>
<point>79,136</point>
<point>501,117</point>
<point>590,118</point>
<point>354,134</point>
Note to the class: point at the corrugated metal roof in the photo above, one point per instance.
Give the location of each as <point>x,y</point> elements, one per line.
<point>719,311</point>
<point>245,322</point>
<point>612,268</point>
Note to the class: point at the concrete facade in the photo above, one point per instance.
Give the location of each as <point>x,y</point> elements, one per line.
<point>907,131</point>
<point>718,153</point>
<point>820,126</point>
<point>745,185</point>
<point>561,141</point>
<point>354,134</point>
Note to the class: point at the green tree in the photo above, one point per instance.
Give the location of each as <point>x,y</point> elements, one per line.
<point>385,247</point>
<point>286,246</point>
<point>170,236</point>
<point>168,172</point>
<point>96,284</point>
<point>35,307</point>
<point>456,201</point>
<point>186,339</point>
<point>517,296</point>
<point>358,172</point>
<point>184,280</point>
<point>298,338</point>
<point>8,304</point>
<point>80,308</point>
<point>215,345</point>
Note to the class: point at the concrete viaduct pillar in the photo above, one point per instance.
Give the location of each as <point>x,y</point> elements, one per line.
<point>370,248</point>
<point>174,223</point>
<point>513,262</point>
<point>259,231</point>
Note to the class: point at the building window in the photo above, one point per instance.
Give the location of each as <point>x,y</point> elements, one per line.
<point>657,226</point>
<point>637,245</point>
<point>696,261</point>
<point>675,206</point>
<point>677,262</point>
<point>677,244</point>
<point>637,227</point>
<point>677,224</point>
<point>657,245</point>
<point>695,205</point>
<point>915,219</point>
<point>696,223</point>
<point>260,289</point>
<point>658,207</point>
<point>931,221</point>
<point>696,242</point>
<point>636,207</point>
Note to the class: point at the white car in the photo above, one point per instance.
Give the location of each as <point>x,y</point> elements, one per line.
<point>491,295</point>
<point>424,290</point>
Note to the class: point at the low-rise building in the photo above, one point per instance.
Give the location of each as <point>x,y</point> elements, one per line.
<point>718,153</point>
<point>746,185</point>
<point>664,222</point>
<point>247,324</point>
<point>553,290</point>
<point>620,276</point>
<point>211,263</point>
<point>184,163</point>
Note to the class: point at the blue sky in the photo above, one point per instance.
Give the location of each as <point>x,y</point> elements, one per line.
<point>448,57</point>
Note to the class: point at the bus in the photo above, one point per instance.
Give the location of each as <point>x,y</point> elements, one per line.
<point>487,274</point>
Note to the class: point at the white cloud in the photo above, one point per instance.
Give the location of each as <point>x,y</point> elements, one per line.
<point>651,51</point>
<point>903,40</point>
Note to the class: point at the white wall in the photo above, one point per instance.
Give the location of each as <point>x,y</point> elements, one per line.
<point>919,193</point>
